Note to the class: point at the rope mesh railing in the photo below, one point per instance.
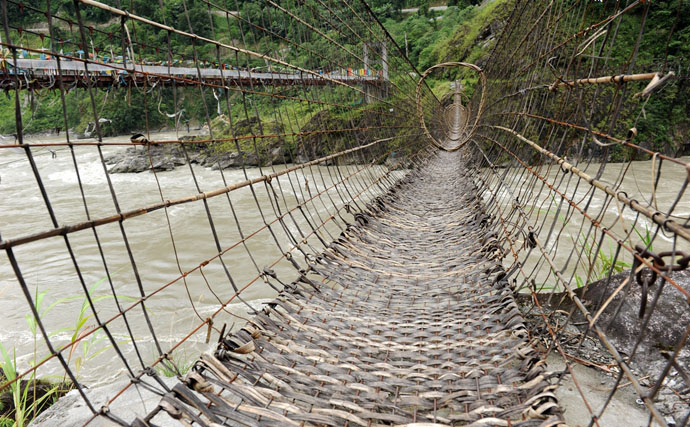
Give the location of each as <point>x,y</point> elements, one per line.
<point>142,284</point>
<point>591,210</point>
<point>269,136</point>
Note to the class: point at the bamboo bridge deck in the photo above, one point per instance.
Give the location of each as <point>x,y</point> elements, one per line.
<point>414,324</point>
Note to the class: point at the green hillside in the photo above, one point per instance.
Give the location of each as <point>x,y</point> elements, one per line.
<point>464,31</point>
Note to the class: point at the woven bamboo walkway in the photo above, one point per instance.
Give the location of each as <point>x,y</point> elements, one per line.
<point>413,326</point>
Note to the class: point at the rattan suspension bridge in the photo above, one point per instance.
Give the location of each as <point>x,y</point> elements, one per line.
<point>408,260</point>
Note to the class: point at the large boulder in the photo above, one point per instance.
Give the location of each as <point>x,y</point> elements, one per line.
<point>231,160</point>
<point>278,155</point>
<point>133,164</point>
<point>666,315</point>
<point>225,161</point>
<point>620,320</point>
<point>134,160</point>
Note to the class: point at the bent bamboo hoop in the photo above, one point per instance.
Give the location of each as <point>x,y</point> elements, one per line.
<point>420,114</point>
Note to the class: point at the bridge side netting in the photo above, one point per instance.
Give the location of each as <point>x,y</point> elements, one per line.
<point>586,182</point>
<point>258,131</point>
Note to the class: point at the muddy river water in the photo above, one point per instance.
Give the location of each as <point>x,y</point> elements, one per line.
<point>163,244</point>
<point>180,308</point>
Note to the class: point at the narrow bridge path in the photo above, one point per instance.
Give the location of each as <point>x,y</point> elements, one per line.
<point>414,324</point>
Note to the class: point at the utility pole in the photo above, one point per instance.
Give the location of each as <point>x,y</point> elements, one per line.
<point>384,66</point>
<point>368,98</point>
<point>407,53</point>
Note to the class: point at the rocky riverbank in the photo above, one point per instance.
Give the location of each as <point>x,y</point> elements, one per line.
<point>273,146</point>
<point>167,157</point>
<point>620,321</point>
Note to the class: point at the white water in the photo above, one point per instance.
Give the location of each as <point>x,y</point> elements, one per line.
<point>572,238</point>
<point>47,267</point>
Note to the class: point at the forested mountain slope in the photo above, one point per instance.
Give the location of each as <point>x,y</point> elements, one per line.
<point>459,30</point>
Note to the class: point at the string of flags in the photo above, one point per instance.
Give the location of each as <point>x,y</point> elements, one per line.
<point>105,59</point>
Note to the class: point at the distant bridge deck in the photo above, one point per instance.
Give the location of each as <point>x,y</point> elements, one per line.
<point>43,74</point>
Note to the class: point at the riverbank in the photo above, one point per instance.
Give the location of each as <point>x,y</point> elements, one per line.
<point>593,366</point>
<point>236,145</point>
<point>168,156</point>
